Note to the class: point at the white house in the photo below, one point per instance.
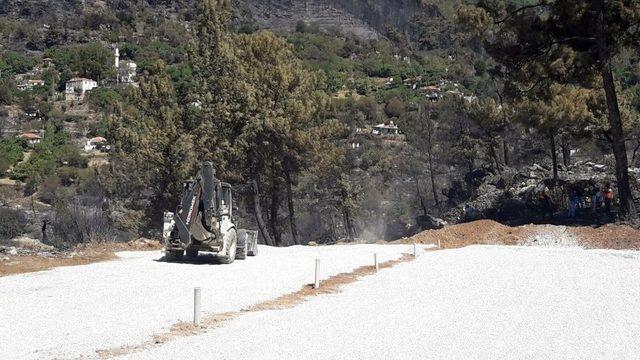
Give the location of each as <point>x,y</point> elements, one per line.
<point>31,138</point>
<point>77,87</point>
<point>127,72</point>
<point>96,143</point>
<point>384,129</point>
<point>29,84</point>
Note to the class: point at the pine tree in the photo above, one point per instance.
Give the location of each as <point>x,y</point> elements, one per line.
<point>569,42</point>
<point>254,107</point>
<point>153,152</point>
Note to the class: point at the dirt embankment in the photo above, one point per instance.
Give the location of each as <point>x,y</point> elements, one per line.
<point>34,260</point>
<point>488,232</point>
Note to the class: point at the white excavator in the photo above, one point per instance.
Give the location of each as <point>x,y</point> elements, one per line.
<point>204,222</point>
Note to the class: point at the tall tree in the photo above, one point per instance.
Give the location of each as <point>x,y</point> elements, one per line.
<point>281,101</point>
<point>491,122</point>
<point>566,41</point>
<point>562,111</point>
<point>153,150</point>
<point>422,134</point>
<point>254,106</point>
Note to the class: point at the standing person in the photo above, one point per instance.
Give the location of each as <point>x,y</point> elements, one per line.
<point>468,213</point>
<point>545,204</point>
<point>608,198</point>
<point>573,203</point>
<point>597,201</point>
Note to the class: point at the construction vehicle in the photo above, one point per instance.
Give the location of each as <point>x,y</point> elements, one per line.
<point>204,222</point>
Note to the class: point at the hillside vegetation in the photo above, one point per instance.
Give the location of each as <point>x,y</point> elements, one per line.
<point>288,115</point>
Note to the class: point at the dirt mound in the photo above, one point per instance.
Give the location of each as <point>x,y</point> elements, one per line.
<point>483,232</point>
<point>488,232</point>
<point>619,237</point>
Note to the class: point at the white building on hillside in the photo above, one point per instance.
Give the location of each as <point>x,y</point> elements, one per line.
<point>386,130</point>
<point>31,137</point>
<point>126,70</point>
<point>76,88</point>
<point>30,84</point>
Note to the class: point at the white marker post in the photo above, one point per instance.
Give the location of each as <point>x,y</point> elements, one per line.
<point>196,306</point>
<point>439,246</point>
<point>316,283</point>
<point>375,261</point>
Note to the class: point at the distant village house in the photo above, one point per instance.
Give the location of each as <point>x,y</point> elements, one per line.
<point>126,69</point>
<point>29,84</point>
<point>386,130</point>
<point>76,88</point>
<point>96,143</point>
<point>31,137</point>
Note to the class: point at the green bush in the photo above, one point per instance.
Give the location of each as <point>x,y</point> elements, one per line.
<point>13,223</point>
<point>10,153</point>
<point>15,63</point>
<point>92,60</point>
<point>105,99</point>
<point>55,151</point>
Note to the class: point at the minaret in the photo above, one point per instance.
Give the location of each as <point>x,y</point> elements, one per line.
<point>117,58</point>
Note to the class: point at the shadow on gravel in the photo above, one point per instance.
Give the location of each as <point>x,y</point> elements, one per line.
<point>204,259</point>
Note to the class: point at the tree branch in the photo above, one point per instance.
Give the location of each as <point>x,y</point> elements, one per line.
<point>519,10</point>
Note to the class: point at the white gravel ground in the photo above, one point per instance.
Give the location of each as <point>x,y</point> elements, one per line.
<point>474,303</point>
<point>74,311</point>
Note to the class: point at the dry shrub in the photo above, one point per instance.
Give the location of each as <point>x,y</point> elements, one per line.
<point>75,223</point>
<point>13,223</point>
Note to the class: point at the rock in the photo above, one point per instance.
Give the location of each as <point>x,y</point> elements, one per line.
<point>5,258</point>
<point>312,243</point>
<point>25,242</point>
<point>599,167</point>
<point>11,251</point>
<point>429,222</point>
<point>537,167</point>
<point>144,243</point>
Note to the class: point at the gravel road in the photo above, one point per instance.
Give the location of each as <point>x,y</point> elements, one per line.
<point>479,302</point>
<point>71,312</point>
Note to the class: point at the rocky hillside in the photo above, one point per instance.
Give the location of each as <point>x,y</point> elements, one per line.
<point>364,18</point>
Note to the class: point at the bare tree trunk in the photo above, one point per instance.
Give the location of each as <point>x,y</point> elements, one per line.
<point>432,176</point>
<point>635,153</point>
<point>430,159</point>
<point>494,156</point>
<point>257,211</point>
<point>565,145</point>
<point>554,157</point>
<point>627,206</point>
<point>292,214</point>
<point>347,223</point>
<point>422,204</point>
<point>346,214</point>
<point>505,151</point>
<point>273,209</point>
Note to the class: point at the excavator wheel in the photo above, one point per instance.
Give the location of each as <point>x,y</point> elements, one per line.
<point>241,245</point>
<point>191,253</point>
<point>231,251</point>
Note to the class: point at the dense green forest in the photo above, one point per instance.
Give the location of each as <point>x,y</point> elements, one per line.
<point>489,104</point>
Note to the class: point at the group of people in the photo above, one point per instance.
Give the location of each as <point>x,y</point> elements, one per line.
<point>603,196</point>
